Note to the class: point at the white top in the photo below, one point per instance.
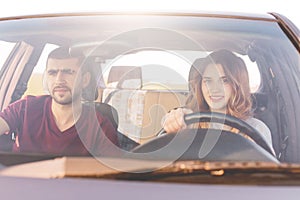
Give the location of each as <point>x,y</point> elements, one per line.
<point>263,129</point>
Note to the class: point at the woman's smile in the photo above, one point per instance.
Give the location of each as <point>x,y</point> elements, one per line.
<point>216,98</point>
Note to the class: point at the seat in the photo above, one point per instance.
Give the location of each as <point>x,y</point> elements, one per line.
<point>124,93</point>
<point>194,71</point>
<point>111,113</point>
<point>6,143</point>
<point>128,77</point>
<point>123,77</point>
<point>262,111</point>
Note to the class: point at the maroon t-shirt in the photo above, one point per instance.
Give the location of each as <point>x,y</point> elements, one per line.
<point>33,121</point>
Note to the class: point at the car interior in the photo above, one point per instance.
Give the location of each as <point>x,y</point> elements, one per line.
<point>136,105</point>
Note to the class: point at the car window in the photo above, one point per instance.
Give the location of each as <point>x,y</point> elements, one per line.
<point>35,84</point>
<point>6,48</point>
<point>155,65</point>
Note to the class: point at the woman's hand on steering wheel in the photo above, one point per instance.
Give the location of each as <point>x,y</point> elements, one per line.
<point>174,120</point>
<point>179,118</point>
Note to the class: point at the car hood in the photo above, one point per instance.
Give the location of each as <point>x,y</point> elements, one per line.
<point>235,172</point>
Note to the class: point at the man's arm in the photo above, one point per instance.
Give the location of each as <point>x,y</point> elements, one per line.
<point>3,126</point>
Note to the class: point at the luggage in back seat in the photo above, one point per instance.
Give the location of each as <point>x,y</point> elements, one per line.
<point>140,111</point>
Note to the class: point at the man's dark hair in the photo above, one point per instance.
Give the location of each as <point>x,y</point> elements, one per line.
<point>65,53</point>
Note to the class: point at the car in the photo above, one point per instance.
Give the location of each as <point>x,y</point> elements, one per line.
<point>144,64</point>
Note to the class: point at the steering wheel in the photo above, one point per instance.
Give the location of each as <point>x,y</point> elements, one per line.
<point>217,118</point>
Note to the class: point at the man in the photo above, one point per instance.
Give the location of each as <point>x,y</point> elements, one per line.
<point>59,123</point>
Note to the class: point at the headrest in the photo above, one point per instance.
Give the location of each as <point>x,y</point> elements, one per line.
<point>125,77</point>
<point>259,101</point>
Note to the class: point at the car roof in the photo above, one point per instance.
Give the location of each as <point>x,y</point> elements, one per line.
<point>223,14</point>
<point>20,29</point>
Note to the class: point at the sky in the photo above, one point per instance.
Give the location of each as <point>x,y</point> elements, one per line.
<point>288,8</point>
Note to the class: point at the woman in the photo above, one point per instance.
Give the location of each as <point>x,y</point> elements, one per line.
<point>220,84</point>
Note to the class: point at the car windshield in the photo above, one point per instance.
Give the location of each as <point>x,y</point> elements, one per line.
<point>144,67</point>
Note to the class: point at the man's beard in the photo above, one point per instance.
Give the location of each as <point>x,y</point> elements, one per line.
<point>67,100</point>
